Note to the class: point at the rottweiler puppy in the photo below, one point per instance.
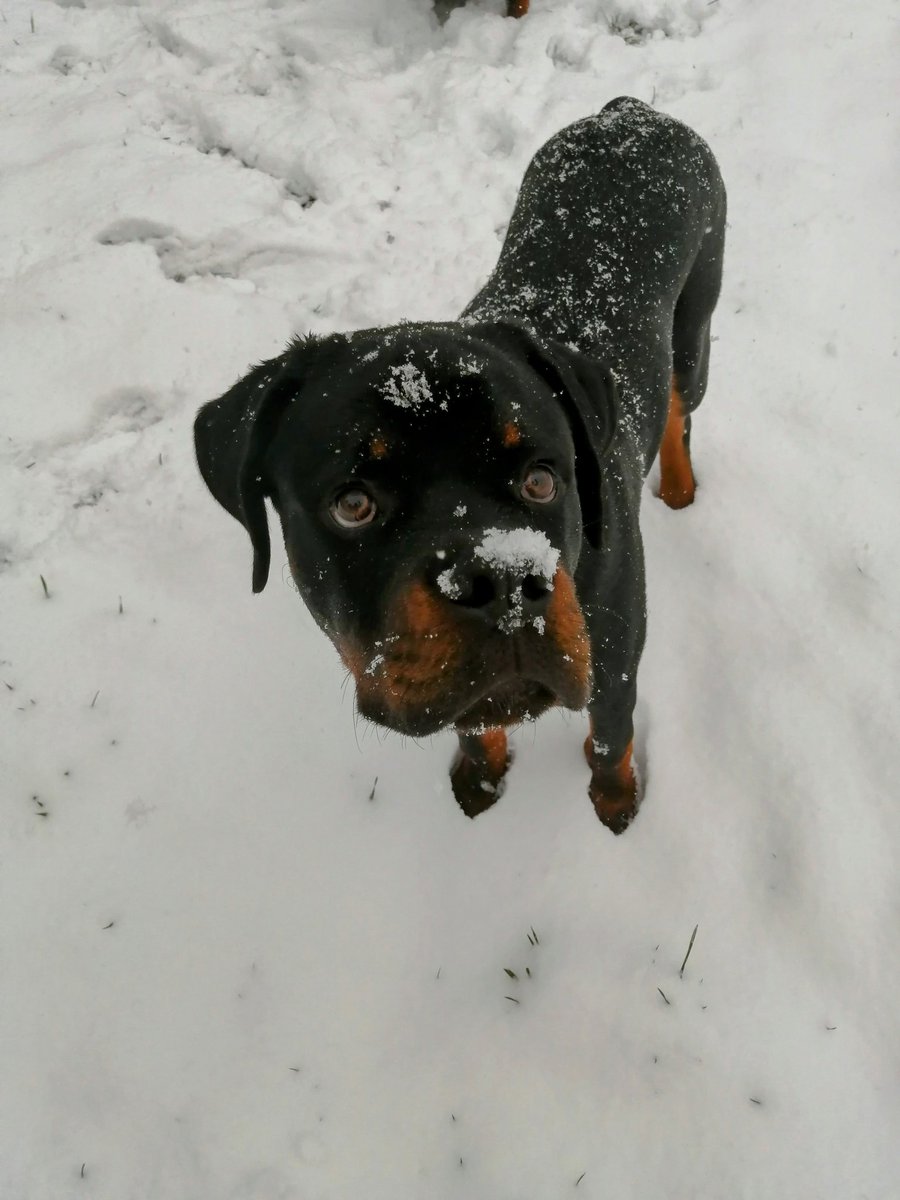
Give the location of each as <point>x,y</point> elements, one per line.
<point>459,500</point>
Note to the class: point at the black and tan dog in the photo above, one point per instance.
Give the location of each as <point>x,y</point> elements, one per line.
<point>459,500</point>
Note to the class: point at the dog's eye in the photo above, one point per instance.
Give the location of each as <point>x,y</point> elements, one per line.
<point>539,485</point>
<point>353,508</point>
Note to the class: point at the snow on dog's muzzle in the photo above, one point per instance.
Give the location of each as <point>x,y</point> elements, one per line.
<point>507,579</point>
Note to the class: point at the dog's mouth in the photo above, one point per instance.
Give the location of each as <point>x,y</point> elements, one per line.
<point>438,666</point>
<point>505,680</point>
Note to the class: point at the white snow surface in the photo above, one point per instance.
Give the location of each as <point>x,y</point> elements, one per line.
<point>251,952</point>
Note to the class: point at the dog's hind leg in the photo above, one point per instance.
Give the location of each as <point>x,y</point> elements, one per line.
<point>690,367</point>
<point>676,475</point>
<point>478,772</point>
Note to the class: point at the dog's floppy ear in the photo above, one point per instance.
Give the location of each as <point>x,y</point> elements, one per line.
<point>231,436</point>
<point>586,389</point>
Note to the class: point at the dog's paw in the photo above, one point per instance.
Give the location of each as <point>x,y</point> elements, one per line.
<point>614,789</point>
<point>615,803</point>
<point>478,780</point>
<point>678,493</point>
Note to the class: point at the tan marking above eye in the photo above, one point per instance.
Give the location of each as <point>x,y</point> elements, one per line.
<point>378,446</point>
<point>511,434</point>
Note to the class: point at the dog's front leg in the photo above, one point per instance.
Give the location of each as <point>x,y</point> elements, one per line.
<point>608,748</point>
<point>479,770</point>
<point>613,787</point>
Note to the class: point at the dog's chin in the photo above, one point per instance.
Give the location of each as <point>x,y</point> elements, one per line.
<point>498,681</point>
<point>508,703</point>
<point>503,702</point>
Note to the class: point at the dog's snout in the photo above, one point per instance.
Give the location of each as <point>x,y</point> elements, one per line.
<point>493,592</point>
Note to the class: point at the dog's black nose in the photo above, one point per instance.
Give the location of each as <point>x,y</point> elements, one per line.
<point>495,593</point>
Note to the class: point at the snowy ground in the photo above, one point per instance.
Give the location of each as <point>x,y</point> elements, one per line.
<point>229,969</point>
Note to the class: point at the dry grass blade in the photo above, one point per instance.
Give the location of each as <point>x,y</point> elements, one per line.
<point>688,955</point>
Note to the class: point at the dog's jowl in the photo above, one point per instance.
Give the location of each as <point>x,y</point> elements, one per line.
<point>459,500</point>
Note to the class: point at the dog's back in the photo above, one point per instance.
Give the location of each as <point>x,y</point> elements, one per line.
<point>614,215</point>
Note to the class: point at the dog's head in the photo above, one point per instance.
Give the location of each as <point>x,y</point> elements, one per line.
<point>435,484</point>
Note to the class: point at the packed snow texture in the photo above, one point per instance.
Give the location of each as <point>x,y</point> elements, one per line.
<point>250,951</point>
<point>408,387</point>
<point>449,584</point>
<point>522,551</point>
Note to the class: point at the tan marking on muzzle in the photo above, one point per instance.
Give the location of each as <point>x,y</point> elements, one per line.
<point>565,624</point>
<point>424,644</point>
